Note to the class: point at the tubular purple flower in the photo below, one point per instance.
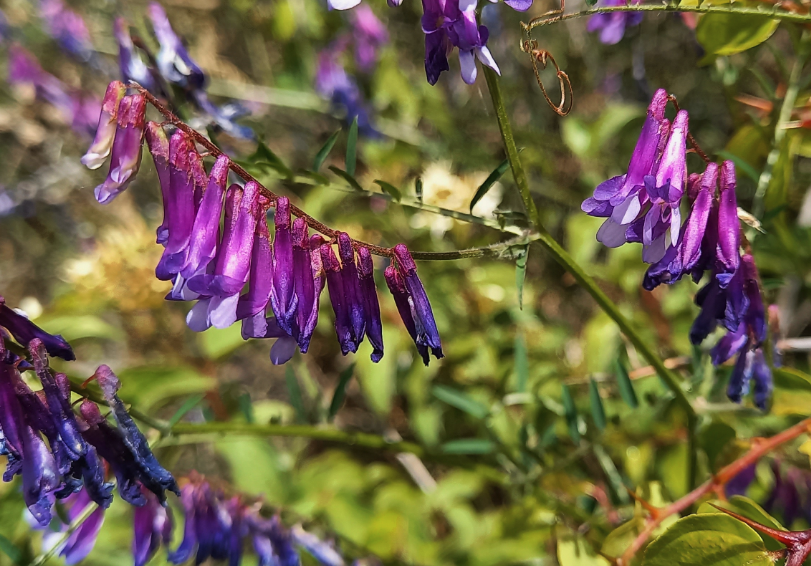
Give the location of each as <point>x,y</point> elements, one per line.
<point>126,150</point>
<point>158,145</point>
<point>369,35</point>
<point>305,285</point>
<point>729,237</point>
<point>404,307</point>
<point>351,284</point>
<point>67,28</point>
<point>253,304</point>
<point>612,26</point>
<point>762,378</point>
<point>179,207</point>
<point>427,333</point>
<point>152,526</point>
<point>756,313</point>
<point>283,298</point>
<point>174,61</point>
<point>319,549</point>
<point>105,132</point>
<point>206,228</point>
<point>337,296</point>
<point>130,62</point>
<point>23,331</point>
<point>82,540</point>
<point>696,226</point>
<point>371,305</point>
<point>199,178</point>
<point>471,39</point>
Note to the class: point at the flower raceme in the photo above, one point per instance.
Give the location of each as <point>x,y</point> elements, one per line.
<point>643,206</point>
<point>217,241</point>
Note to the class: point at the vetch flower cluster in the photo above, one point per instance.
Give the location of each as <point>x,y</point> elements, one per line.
<point>60,453</point>
<point>643,205</point>
<point>285,275</point>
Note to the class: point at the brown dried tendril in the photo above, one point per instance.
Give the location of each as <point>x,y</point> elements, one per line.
<point>542,57</point>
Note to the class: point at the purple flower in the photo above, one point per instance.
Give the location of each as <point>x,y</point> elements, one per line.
<point>333,83</point>
<point>126,150</point>
<point>132,66</point>
<point>207,532</point>
<point>152,526</point>
<point>319,549</point>
<point>612,26</point>
<point>174,61</point>
<point>371,305</point>
<point>105,133</point>
<point>395,283</point>
<point>729,237</point>
<point>158,145</point>
<point>283,298</point>
<point>67,28</point>
<point>82,540</point>
<point>427,334</point>
<point>740,482</point>
<point>337,296</point>
<point>252,306</point>
<point>23,331</point>
<point>351,286</point>
<point>308,284</point>
<point>369,35</point>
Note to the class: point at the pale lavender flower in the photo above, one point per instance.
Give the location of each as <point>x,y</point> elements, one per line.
<point>126,151</point>
<point>612,26</point>
<point>369,35</point>
<point>105,133</point>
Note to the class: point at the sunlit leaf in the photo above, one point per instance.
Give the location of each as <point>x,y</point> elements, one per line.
<point>8,548</point>
<point>323,153</point>
<point>469,446</point>
<point>346,177</point>
<point>187,406</point>
<point>727,34</point>
<point>751,510</point>
<point>389,189</point>
<point>491,179</point>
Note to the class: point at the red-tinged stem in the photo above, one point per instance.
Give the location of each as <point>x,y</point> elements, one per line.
<point>789,538</point>
<point>760,447</point>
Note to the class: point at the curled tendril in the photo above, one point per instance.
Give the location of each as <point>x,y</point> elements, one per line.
<point>542,57</point>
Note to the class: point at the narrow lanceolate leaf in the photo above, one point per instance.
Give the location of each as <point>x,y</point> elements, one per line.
<point>596,403</point>
<point>8,548</point>
<point>187,406</point>
<point>418,188</point>
<point>460,400</point>
<point>521,363</point>
<point>323,153</point>
<point>570,412</point>
<point>389,189</point>
<point>521,275</point>
<point>489,182</point>
<point>469,446</point>
<point>625,385</point>
<point>352,147</point>
<point>340,392</point>
<point>346,177</point>
<point>294,391</point>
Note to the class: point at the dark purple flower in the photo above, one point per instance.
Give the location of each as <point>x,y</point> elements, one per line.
<point>225,116</point>
<point>471,39</point>
<point>352,292</point>
<point>23,331</point>
<point>729,238</point>
<point>612,26</point>
<point>105,133</point>
<point>207,532</point>
<point>82,540</point>
<point>158,145</point>
<point>252,306</point>
<point>371,305</point>
<point>283,299</point>
<point>404,306</point>
<point>333,83</point>
<point>740,482</point>
<point>307,284</point>
<point>422,314</point>
<point>369,35</point>
<point>337,296</point>
<point>67,28</point>
<point>132,66</point>
<point>174,61</point>
<point>126,150</point>
<point>272,542</point>
<point>152,526</point>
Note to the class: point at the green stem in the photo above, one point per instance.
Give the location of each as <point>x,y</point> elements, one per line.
<point>703,9</point>
<point>587,282</point>
<point>789,100</point>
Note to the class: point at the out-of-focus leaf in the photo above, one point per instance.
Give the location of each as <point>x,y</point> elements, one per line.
<point>294,390</point>
<point>217,343</point>
<point>9,549</point>
<point>340,392</point>
<point>596,404</point>
<point>740,164</point>
<point>713,438</point>
<point>147,386</point>
<point>418,188</point>
<point>323,153</point>
<point>707,540</point>
<point>346,177</point>
<point>751,510</point>
<point>187,406</point>
<point>460,400</point>
<point>625,385</point>
<point>521,275</point>
<point>491,179</point>
<point>612,473</point>
<point>576,551</point>
<point>81,326</point>
<point>620,538</point>
<point>352,148</point>
<point>469,446</point>
<point>256,468</point>
<point>389,189</point>
<point>264,157</point>
<point>318,178</point>
<point>246,408</point>
<point>727,34</point>
<point>521,363</point>
<point>570,412</point>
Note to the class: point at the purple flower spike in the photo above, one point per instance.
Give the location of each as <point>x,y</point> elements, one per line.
<point>174,61</point>
<point>126,151</point>
<point>283,298</point>
<point>695,229</point>
<point>179,207</point>
<point>158,145</point>
<point>337,296</point>
<point>729,236</point>
<point>152,525</point>
<point>130,62</point>
<point>23,331</point>
<point>255,301</point>
<point>305,285</point>
<point>427,333</point>
<point>206,228</point>
<point>352,292</point>
<point>105,133</point>
<point>404,307</point>
<point>371,305</point>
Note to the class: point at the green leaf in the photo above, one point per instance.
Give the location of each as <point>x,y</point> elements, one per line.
<point>246,407</point>
<point>264,157</point>
<point>389,189</point>
<point>9,549</point>
<point>576,551</point>
<point>294,390</point>
<point>340,392</point>
<point>727,34</point>
<point>219,342</point>
<point>570,412</point>
<point>489,182</point>
<point>418,188</point>
<point>521,363</point>
<point>707,540</point>
<point>323,153</point>
<point>625,385</point>
<point>469,446</point>
<point>460,400</point>
<point>740,164</point>
<point>591,3</point>
<point>751,510</point>
<point>346,177</point>
<point>352,147</point>
<point>521,275</point>
<point>596,403</point>
<point>187,406</point>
